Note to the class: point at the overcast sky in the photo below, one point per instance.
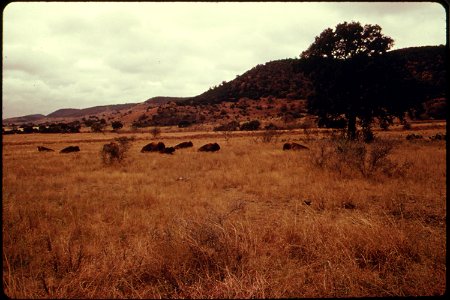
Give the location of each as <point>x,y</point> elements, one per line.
<point>78,55</point>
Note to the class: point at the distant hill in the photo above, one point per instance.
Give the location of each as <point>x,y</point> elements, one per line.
<point>69,113</point>
<point>279,79</point>
<point>164,100</point>
<point>25,119</point>
<point>73,112</point>
<point>65,112</point>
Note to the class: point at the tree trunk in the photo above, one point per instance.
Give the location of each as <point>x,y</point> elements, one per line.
<point>351,127</point>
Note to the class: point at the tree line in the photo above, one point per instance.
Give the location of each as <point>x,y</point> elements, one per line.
<point>95,125</point>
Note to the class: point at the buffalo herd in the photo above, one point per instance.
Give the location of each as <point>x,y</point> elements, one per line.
<point>161,147</point>
<point>158,147</point>
<point>65,150</point>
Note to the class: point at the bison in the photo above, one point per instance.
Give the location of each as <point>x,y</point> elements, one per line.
<point>294,146</point>
<point>154,147</point>
<point>44,149</point>
<point>184,145</point>
<point>211,147</point>
<point>168,150</point>
<point>70,149</point>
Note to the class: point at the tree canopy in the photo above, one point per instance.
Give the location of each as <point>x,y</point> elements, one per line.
<point>354,80</point>
<point>349,40</point>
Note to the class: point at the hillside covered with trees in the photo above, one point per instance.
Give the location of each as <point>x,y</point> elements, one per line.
<point>286,78</point>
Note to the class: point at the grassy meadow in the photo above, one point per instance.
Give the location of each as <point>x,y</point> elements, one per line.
<point>249,221</point>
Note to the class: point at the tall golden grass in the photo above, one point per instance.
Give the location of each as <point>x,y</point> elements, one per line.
<point>231,224</point>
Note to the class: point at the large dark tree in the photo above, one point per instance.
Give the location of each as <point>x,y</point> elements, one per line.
<point>354,79</point>
<point>349,40</point>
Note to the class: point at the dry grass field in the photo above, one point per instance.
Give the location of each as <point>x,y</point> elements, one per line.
<point>249,221</point>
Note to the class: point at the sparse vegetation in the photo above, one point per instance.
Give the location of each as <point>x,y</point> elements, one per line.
<point>251,221</point>
<point>116,125</point>
<point>155,132</point>
<point>270,135</point>
<point>116,151</point>
<point>352,157</point>
<point>308,215</point>
<point>251,125</point>
<point>98,126</point>
<point>231,126</point>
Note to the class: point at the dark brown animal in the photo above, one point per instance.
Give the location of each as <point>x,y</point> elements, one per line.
<point>44,149</point>
<point>168,150</point>
<point>294,146</point>
<point>211,147</point>
<point>70,149</point>
<point>184,145</point>
<point>154,147</point>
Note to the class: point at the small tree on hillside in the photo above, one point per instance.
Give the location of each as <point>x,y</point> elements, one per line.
<point>98,127</point>
<point>252,125</point>
<point>155,132</point>
<point>116,125</point>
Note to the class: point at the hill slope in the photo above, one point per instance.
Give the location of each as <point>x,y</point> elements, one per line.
<point>73,112</point>
<point>285,78</point>
<point>281,81</point>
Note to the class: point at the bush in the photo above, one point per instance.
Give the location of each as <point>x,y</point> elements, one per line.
<point>116,125</point>
<point>414,136</point>
<point>367,135</point>
<point>184,124</point>
<point>97,127</point>
<point>338,123</point>
<point>231,126</point>
<point>406,126</point>
<point>270,135</point>
<point>349,157</point>
<point>115,151</point>
<point>271,126</point>
<point>438,136</point>
<point>252,125</point>
<point>155,132</point>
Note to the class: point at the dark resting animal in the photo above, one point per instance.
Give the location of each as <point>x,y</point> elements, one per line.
<point>184,145</point>
<point>154,147</point>
<point>70,149</point>
<point>168,150</point>
<point>211,147</point>
<point>44,149</point>
<point>294,146</point>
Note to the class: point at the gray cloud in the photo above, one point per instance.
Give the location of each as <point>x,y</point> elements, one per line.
<point>63,54</point>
